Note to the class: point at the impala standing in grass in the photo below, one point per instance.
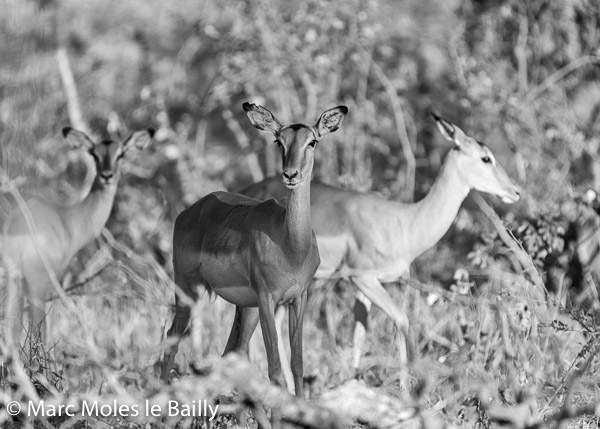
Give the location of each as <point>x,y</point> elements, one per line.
<point>255,254</point>
<point>59,232</point>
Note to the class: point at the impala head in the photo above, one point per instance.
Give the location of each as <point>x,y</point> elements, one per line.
<point>108,154</point>
<point>296,142</point>
<point>477,165</point>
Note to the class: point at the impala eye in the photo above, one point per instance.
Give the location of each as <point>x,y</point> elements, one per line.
<point>278,143</point>
<point>121,155</point>
<point>312,143</point>
<point>486,159</point>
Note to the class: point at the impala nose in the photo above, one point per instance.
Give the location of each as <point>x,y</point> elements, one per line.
<point>107,176</point>
<point>290,176</point>
<point>512,197</point>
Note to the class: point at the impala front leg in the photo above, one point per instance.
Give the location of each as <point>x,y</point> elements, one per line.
<point>266,309</point>
<point>297,309</point>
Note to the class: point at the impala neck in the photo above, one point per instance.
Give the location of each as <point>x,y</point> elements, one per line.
<point>434,214</point>
<point>298,227</point>
<point>86,219</point>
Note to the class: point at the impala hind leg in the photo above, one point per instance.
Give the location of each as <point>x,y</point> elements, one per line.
<point>244,325</point>
<point>179,327</point>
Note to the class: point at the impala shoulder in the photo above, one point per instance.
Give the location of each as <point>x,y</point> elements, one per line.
<point>221,201</point>
<point>234,198</point>
<point>271,207</point>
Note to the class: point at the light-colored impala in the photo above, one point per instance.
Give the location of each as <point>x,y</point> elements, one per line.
<point>61,231</point>
<point>255,254</point>
<point>369,240</point>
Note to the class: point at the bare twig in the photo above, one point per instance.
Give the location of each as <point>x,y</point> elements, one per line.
<point>68,83</point>
<point>520,52</point>
<point>75,117</point>
<point>508,239</point>
<point>201,138</point>
<point>311,95</point>
<point>407,149</point>
<point>244,143</point>
<point>459,70</point>
<point>560,74</point>
<point>359,162</point>
<point>82,283</point>
<point>573,373</point>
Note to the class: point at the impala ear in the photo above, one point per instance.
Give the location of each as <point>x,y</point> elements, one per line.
<point>77,139</point>
<point>450,131</point>
<point>331,120</point>
<point>139,140</point>
<point>261,118</point>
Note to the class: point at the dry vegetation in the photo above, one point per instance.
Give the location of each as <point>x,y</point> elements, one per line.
<point>503,310</point>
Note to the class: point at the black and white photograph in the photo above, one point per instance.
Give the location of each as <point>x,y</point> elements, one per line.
<point>286,214</point>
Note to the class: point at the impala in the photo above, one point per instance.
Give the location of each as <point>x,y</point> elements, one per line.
<point>255,254</point>
<point>61,231</point>
<point>369,240</point>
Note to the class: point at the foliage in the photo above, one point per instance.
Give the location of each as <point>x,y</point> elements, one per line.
<point>542,238</point>
<point>522,76</point>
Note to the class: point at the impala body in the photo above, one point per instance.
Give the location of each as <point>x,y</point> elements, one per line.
<point>255,254</point>
<point>370,240</point>
<point>226,233</point>
<point>59,232</point>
